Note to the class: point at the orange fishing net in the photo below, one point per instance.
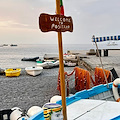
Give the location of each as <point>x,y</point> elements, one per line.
<point>99,76</point>
<point>83,79</point>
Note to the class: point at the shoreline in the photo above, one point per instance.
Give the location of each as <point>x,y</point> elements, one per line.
<point>26,91</point>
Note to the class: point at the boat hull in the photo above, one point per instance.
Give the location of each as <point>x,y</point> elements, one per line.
<point>77,103</point>
<point>45,64</point>
<point>12,72</point>
<point>34,71</point>
<point>30,59</point>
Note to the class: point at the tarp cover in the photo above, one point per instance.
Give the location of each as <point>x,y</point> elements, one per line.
<point>107,38</point>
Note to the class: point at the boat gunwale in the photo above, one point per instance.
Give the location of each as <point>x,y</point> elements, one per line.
<point>85,94</point>
<point>78,96</point>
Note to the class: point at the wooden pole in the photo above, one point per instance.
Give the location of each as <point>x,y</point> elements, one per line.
<point>101,64</point>
<point>61,65</point>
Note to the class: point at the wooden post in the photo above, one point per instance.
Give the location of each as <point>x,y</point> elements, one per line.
<point>61,65</point>
<point>102,65</point>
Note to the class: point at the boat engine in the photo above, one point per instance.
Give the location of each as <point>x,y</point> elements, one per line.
<point>18,114</point>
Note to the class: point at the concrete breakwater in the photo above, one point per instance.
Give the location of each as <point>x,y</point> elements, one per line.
<point>91,61</point>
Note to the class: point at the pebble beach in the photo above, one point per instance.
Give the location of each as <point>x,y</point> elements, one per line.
<point>26,91</point>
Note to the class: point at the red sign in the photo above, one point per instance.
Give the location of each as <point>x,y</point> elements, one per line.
<point>58,23</point>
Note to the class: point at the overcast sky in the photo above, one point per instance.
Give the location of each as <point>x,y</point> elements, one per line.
<point>19,20</point>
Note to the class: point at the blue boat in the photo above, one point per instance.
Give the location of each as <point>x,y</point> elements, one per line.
<point>97,103</point>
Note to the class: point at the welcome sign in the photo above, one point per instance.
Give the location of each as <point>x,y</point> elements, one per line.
<point>58,23</point>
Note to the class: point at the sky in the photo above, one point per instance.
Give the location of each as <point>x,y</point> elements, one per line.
<point>19,21</point>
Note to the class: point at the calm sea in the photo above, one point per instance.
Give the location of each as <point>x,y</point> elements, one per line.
<point>10,57</point>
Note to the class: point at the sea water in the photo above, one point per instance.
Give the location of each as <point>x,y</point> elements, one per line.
<point>10,56</point>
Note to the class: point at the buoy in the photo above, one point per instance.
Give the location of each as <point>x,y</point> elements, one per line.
<point>34,110</point>
<point>15,108</point>
<point>55,98</point>
<point>18,114</point>
<point>116,82</point>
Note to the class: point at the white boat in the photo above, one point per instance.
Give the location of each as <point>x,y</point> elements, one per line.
<point>51,56</point>
<point>47,64</point>
<point>67,56</point>
<point>56,63</point>
<point>70,64</point>
<point>34,71</point>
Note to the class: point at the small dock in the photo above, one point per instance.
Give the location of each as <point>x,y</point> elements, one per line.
<point>92,61</point>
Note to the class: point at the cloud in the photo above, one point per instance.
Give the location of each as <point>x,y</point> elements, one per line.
<point>13,24</point>
<point>89,17</point>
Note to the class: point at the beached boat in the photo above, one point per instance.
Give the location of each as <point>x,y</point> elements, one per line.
<point>70,64</point>
<point>69,56</point>
<point>34,71</point>
<point>12,72</point>
<point>97,103</point>
<point>51,56</point>
<point>56,63</point>
<point>56,56</point>
<point>52,64</point>
<point>48,64</point>
<point>30,59</point>
<point>2,71</point>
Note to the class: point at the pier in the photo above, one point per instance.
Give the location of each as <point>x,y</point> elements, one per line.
<point>92,61</point>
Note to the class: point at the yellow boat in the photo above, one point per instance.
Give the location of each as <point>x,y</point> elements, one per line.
<point>12,72</point>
